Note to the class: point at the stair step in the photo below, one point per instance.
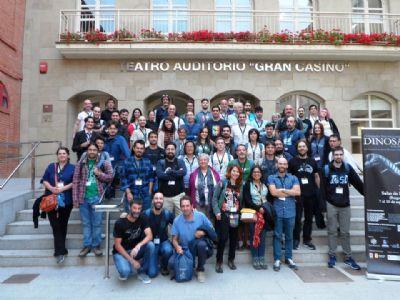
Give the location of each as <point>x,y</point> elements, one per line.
<point>29,258</point>
<point>30,202</point>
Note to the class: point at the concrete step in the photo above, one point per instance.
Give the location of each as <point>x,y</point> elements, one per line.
<point>29,258</point>
<point>74,241</point>
<point>30,202</point>
<point>355,224</point>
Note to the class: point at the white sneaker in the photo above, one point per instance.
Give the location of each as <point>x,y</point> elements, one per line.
<point>144,278</point>
<point>277,265</point>
<point>122,278</point>
<point>201,276</point>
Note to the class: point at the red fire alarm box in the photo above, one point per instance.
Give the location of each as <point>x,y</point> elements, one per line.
<point>43,67</point>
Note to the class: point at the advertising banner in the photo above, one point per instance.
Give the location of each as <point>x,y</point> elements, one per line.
<point>381,156</point>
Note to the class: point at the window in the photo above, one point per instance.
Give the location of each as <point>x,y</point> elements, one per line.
<point>4,100</point>
<point>296,100</point>
<point>97,14</point>
<point>233,15</point>
<point>170,15</point>
<point>296,15</point>
<point>369,111</point>
<point>367,16</point>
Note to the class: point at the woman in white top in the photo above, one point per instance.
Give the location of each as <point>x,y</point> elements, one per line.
<point>191,162</point>
<point>141,133</point>
<point>221,158</point>
<point>255,149</point>
<point>328,123</point>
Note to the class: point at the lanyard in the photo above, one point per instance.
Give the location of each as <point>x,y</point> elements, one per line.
<point>190,163</point>
<point>242,131</point>
<point>220,161</point>
<point>88,136</point>
<point>224,116</point>
<point>243,166</point>
<point>282,181</point>
<point>259,125</point>
<point>144,134</point>
<point>253,150</point>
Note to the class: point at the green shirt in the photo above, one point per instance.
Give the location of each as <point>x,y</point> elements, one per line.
<point>246,167</point>
<point>91,184</point>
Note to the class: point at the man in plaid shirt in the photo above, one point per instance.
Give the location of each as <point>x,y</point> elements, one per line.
<point>137,176</point>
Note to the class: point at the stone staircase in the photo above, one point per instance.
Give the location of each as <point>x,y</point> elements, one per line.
<point>23,245</point>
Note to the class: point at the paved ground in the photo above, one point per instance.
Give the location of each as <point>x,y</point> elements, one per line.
<point>245,283</point>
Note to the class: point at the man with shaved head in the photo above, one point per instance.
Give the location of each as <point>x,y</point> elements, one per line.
<point>172,115</point>
<point>284,187</point>
<point>281,125</point>
<point>291,136</point>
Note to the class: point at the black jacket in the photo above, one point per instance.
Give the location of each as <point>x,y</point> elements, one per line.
<point>80,138</point>
<point>36,212</point>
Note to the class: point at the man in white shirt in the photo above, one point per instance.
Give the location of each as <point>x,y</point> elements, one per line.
<point>233,119</point>
<point>240,132</point>
<point>172,114</point>
<point>80,120</point>
<point>334,142</point>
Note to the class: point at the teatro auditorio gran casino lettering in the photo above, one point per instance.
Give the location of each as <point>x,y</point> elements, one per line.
<point>330,53</point>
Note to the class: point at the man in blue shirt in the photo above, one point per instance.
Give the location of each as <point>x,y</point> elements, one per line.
<point>284,187</point>
<point>204,115</point>
<point>191,127</point>
<point>189,230</point>
<point>137,176</point>
<point>290,136</point>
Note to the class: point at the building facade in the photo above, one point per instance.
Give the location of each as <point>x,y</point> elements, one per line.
<point>11,45</point>
<point>357,81</point>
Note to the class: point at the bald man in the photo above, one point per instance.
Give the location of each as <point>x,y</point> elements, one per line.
<point>284,187</point>
<point>172,114</point>
<point>86,112</point>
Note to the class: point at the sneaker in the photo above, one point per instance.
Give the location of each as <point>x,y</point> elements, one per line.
<point>231,265</point>
<point>291,264</point>
<point>218,268</point>
<point>309,245</point>
<point>85,251</point>
<point>296,244</point>
<point>60,259</point>
<point>277,265</point>
<point>144,278</point>
<point>201,276</point>
<point>352,263</point>
<point>331,261</point>
<point>97,251</point>
<point>256,263</point>
<point>164,272</point>
<point>122,278</point>
<point>263,264</point>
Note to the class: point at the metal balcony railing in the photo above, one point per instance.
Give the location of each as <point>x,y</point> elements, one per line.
<point>179,20</point>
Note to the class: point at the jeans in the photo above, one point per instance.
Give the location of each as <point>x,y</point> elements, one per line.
<point>59,223</point>
<point>164,250</point>
<point>342,215</point>
<point>260,250</point>
<point>199,248</point>
<point>283,225</point>
<point>125,268</point>
<point>144,196</point>
<point>91,224</point>
<point>224,231</point>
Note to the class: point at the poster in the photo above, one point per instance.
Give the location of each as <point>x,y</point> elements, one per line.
<point>381,156</point>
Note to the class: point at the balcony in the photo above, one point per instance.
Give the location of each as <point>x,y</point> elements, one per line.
<point>219,34</point>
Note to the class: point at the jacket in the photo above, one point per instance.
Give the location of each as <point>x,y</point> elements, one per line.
<point>36,212</point>
<point>80,138</point>
<point>192,183</point>
<point>248,202</point>
<point>218,197</point>
<point>80,178</point>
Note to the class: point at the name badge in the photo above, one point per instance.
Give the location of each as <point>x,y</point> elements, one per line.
<point>171,182</point>
<point>339,190</point>
<point>156,241</point>
<point>60,184</point>
<point>233,209</point>
<point>138,182</point>
<point>111,158</point>
<point>88,183</point>
<point>282,198</point>
<point>317,158</point>
<point>304,181</point>
<point>154,168</point>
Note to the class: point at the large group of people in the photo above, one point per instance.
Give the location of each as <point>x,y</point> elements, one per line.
<point>189,179</point>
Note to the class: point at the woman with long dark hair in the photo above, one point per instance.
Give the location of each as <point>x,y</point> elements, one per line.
<point>204,144</point>
<point>167,133</point>
<point>319,145</point>
<point>191,162</point>
<point>226,204</point>
<point>57,179</point>
<point>134,121</point>
<point>255,149</point>
<point>254,196</point>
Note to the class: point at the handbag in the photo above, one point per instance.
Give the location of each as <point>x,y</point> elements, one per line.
<point>50,202</point>
<point>248,215</point>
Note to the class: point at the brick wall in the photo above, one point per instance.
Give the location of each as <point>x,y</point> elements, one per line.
<point>12,16</point>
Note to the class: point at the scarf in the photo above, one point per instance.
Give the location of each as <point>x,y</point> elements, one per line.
<point>258,227</point>
<point>201,185</point>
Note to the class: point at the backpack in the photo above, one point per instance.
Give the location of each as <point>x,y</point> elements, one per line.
<point>327,169</point>
<point>182,266</point>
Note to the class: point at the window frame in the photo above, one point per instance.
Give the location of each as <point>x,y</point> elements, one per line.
<point>234,10</point>
<point>296,95</point>
<point>370,119</point>
<point>171,19</point>
<point>5,110</point>
<point>98,18</point>
<point>365,17</point>
<point>296,13</point>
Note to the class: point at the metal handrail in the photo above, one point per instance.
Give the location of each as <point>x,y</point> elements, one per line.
<point>31,155</point>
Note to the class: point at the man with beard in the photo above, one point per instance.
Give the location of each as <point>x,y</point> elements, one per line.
<point>307,127</point>
<point>137,176</point>
<point>159,218</point>
<point>334,142</point>
<point>230,145</point>
<point>162,112</point>
<point>83,138</point>
<point>142,133</point>
<point>269,134</point>
<point>281,125</point>
<point>284,187</point>
<point>170,173</point>
<point>268,165</point>
<point>279,150</point>
<point>110,108</point>
<point>132,244</point>
<point>204,115</point>
<point>290,136</point>
<point>215,124</point>
<point>245,164</point>
<point>153,152</point>
<point>336,178</point>
<point>240,131</point>
<point>306,170</point>
<point>123,116</point>
<point>98,122</point>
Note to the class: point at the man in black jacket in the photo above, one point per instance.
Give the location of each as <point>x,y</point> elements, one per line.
<point>83,138</point>
<point>336,177</point>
